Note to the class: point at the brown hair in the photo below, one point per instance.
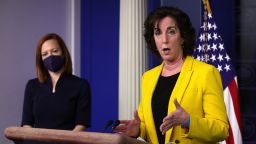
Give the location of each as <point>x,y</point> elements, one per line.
<point>41,71</point>
<point>186,29</point>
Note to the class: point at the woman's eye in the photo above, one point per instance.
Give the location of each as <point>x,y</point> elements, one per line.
<point>55,51</point>
<point>171,32</point>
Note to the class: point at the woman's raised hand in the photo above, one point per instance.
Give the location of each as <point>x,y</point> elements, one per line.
<point>129,127</point>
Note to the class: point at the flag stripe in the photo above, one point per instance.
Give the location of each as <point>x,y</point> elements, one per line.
<point>223,142</point>
<point>234,93</point>
<point>232,119</point>
<point>230,139</point>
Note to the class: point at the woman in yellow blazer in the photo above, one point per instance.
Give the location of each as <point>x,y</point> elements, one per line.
<point>182,99</point>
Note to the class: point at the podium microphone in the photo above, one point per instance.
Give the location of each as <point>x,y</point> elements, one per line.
<point>109,123</point>
<point>116,123</point>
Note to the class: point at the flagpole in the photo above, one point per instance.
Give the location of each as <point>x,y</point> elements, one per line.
<point>207,4</point>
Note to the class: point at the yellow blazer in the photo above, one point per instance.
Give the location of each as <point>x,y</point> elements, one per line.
<point>199,91</point>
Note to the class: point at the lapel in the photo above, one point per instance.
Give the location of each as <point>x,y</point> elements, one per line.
<point>151,87</point>
<point>180,88</point>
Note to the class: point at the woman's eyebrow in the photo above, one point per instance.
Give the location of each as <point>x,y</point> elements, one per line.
<point>171,27</point>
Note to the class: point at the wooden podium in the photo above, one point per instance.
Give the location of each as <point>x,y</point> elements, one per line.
<point>69,137</point>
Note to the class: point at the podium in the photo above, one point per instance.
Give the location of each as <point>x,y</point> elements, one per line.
<point>69,137</point>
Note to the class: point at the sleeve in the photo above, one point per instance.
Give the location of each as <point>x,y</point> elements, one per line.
<point>214,125</point>
<point>27,114</point>
<point>83,110</point>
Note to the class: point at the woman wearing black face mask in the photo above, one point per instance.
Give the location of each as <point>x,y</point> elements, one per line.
<point>56,99</point>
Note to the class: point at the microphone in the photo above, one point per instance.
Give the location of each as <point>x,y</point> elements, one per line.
<point>109,123</point>
<point>116,123</point>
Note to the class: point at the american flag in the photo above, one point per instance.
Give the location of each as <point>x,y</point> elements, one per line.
<point>210,49</point>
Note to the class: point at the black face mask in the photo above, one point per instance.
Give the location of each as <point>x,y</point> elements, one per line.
<point>54,63</point>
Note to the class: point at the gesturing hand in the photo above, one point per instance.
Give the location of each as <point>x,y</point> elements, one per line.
<point>175,118</point>
<point>129,127</point>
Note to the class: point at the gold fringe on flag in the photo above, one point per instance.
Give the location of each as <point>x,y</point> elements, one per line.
<point>207,4</point>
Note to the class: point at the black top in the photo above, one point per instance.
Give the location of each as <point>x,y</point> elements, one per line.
<point>160,101</point>
<point>69,106</point>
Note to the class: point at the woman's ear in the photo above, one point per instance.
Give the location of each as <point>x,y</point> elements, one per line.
<point>182,41</point>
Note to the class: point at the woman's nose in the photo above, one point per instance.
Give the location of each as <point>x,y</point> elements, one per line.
<point>51,53</point>
<point>164,38</point>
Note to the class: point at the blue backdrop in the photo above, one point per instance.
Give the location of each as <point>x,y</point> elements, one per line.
<point>99,57</point>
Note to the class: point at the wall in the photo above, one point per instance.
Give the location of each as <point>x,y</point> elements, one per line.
<point>99,57</point>
<point>246,64</point>
<point>23,22</point>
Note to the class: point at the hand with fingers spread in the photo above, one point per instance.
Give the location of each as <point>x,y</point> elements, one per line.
<point>178,117</point>
<point>129,127</point>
